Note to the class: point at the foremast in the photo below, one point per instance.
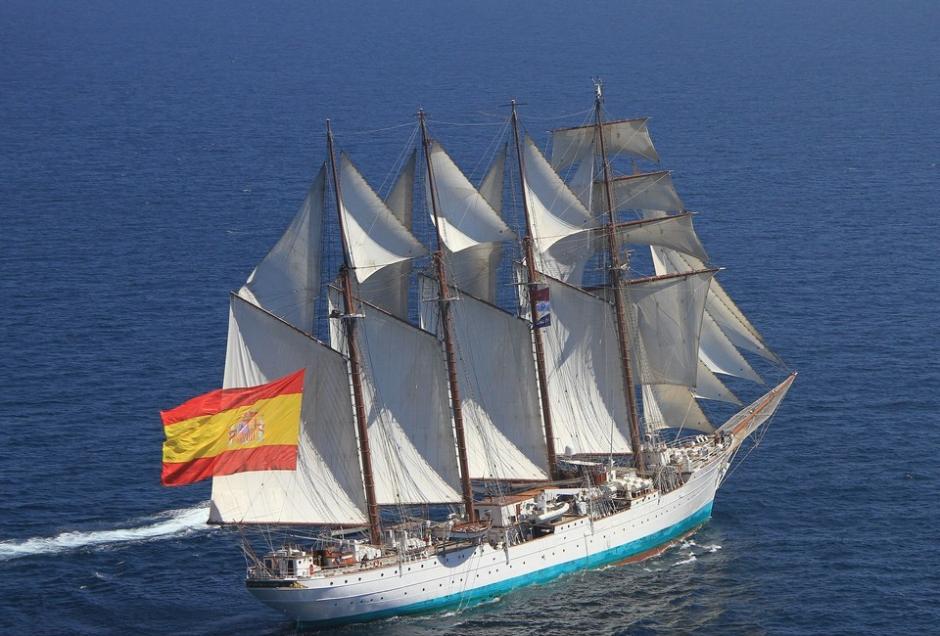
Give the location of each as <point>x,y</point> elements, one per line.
<point>533,279</point>
<point>350,308</point>
<point>615,274</point>
<point>444,299</point>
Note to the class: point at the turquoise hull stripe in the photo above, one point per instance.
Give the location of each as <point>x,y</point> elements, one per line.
<point>612,555</point>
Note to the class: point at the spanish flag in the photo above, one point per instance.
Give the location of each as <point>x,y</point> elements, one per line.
<point>232,431</point>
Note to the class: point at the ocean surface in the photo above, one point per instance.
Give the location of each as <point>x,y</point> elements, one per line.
<point>151,153</point>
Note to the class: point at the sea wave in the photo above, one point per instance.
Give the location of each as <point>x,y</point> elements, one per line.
<point>160,526</point>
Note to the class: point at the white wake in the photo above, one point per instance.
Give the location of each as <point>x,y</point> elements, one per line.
<point>162,526</point>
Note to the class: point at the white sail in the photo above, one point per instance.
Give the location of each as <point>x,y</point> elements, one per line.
<point>475,269</point>
<point>554,210</point>
<point>673,232</point>
<point>401,198</point>
<point>672,406</point>
<point>585,378</point>
<point>668,318</point>
<point>388,286</point>
<point>404,381</point>
<point>374,236</point>
<point>647,191</point>
<point>627,135</point>
<point>287,281</point>
<point>565,259</point>
<point>327,485</point>
<point>719,306</point>
<point>466,218</point>
<point>582,182</point>
<point>720,355</point>
<point>498,387</point>
<point>492,185</point>
<point>471,229</point>
<point>709,387</point>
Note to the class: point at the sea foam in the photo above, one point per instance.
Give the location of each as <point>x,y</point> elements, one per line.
<point>160,526</point>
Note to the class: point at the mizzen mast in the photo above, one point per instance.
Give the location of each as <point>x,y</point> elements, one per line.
<point>533,278</point>
<point>447,319</point>
<point>615,274</point>
<point>349,306</point>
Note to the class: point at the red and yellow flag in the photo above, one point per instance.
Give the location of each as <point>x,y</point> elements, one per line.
<point>232,431</point>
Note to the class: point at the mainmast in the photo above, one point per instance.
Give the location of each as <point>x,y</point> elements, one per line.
<point>444,300</point>
<point>615,274</point>
<point>365,455</point>
<point>533,278</point>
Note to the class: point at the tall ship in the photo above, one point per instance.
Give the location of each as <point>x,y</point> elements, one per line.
<point>508,399</point>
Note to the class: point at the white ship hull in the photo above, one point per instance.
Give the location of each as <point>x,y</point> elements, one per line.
<point>475,573</point>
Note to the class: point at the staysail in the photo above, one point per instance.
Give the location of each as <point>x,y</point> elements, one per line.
<point>374,237</point>
<point>388,286</point>
<point>287,281</point>
<point>470,229</point>
<point>719,307</point>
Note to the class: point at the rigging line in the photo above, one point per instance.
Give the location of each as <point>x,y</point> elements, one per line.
<point>398,165</point>
<point>585,121</point>
<point>365,132</point>
<point>455,123</point>
<point>586,111</point>
<point>489,156</point>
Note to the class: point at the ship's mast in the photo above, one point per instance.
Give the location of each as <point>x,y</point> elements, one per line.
<point>349,302</point>
<point>533,279</point>
<point>444,302</point>
<point>615,274</point>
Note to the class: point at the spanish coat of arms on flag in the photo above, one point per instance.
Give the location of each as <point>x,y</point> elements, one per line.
<point>229,431</point>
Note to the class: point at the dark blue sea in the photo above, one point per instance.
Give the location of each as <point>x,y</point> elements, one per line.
<point>152,152</point>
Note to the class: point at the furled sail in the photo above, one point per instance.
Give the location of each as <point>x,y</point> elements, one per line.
<point>326,487</point>
<point>719,306</point>
<point>374,236</point>
<point>585,377</point>
<point>647,191</point>
<point>470,228</point>
<point>756,413</point>
<point>388,286</point>
<point>287,281</point>
<point>627,135</point>
<point>673,406</point>
<point>498,386</point>
<point>404,383</point>
<point>667,312</point>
